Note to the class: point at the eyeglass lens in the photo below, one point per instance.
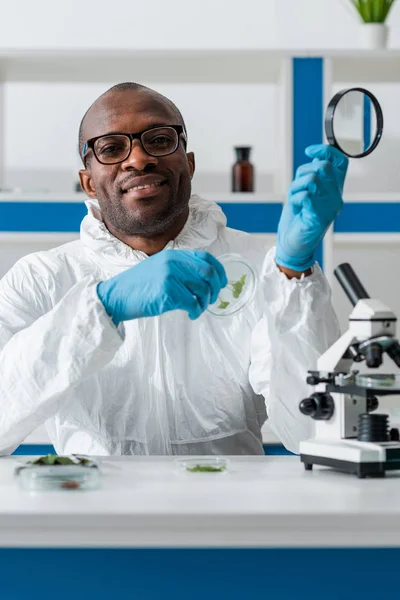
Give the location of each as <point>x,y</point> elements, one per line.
<point>115,148</point>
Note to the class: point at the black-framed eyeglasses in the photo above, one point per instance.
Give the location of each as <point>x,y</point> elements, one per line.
<point>114,148</point>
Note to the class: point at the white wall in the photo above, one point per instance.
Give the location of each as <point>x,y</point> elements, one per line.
<point>218,116</point>
<point>324,24</point>
<point>158,24</point>
<point>195,24</point>
<point>49,114</point>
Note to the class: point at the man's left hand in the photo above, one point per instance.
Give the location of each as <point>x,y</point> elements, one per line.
<point>314,201</point>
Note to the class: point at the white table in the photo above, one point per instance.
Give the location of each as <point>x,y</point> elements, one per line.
<point>265,529</point>
<point>261,502</point>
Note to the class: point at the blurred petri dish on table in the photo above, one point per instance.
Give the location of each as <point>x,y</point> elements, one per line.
<point>206,465</point>
<point>40,478</point>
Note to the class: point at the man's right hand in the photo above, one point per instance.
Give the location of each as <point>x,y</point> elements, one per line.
<point>172,279</point>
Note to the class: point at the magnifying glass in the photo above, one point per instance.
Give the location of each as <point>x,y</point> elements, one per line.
<point>354,122</point>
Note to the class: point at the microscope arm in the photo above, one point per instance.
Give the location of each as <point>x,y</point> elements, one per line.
<point>333,359</point>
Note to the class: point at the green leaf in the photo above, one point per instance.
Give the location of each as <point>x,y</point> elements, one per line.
<point>223,304</point>
<point>238,286</point>
<point>50,459</point>
<point>53,459</point>
<point>64,460</point>
<point>205,469</point>
<point>388,6</point>
<point>373,11</point>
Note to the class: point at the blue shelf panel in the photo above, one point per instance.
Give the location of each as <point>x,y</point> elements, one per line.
<point>253,217</point>
<point>43,449</point>
<point>369,217</point>
<point>61,217</point>
<point>308,80</point>
<point>41,216</point>
<point>34,450</point>
<point>308,77</point>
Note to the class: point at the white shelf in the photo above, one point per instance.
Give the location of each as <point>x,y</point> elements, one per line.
<point>257,198</point>
<point>42,197</point>
<point>381,239</point>
<point>33,237</point>
<point>80,197</point>
<point>187,66</point>
<point>124,65</point>
<point>38,54</point>
<point>375,197</point>
<point>370,67</point>
<point>244,197</point>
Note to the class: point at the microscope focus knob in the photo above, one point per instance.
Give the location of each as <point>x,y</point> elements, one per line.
<point>308,406</point>
<point>372,403</point>
<point>319,406</point>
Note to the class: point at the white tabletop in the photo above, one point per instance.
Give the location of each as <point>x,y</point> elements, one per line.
<point>261,502</point>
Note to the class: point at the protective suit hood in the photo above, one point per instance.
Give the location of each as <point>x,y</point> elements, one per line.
<point>200,231</point>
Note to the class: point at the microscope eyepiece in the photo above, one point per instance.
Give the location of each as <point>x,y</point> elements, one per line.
<point>350,283</point>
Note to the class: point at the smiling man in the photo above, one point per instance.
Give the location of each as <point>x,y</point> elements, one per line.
<point>106,339</point>
<point>142,204</point>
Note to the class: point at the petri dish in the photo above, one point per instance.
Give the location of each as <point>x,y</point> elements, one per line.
<point>242,283</point>
<point>379,381</point>
<point>34,478</point>
<point>207,465</point>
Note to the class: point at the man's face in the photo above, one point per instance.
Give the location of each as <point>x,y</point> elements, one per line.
<point>128,209</point>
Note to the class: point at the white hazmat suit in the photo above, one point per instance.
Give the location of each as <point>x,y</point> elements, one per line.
<point>161,385</point>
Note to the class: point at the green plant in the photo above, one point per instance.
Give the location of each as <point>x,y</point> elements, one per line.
<point>53,460</point>
<point>223,304</point>
<point>373,11</point>
<point>236,287</point>
<point>205,469</point>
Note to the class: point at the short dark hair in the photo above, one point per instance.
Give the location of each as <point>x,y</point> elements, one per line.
<point>122,87</point>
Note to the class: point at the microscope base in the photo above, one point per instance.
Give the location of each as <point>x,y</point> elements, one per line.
<point>364,459</point>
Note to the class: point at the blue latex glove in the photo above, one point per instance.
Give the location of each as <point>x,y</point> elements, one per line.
<point>172,279</point>
<point>314,200</point>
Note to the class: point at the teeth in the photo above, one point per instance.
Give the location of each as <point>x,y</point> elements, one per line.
<point>143,187</point>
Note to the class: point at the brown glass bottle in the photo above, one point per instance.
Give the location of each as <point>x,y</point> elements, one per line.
<point>243,171</point>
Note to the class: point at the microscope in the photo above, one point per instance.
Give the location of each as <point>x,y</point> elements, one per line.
<point>349,436</point>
